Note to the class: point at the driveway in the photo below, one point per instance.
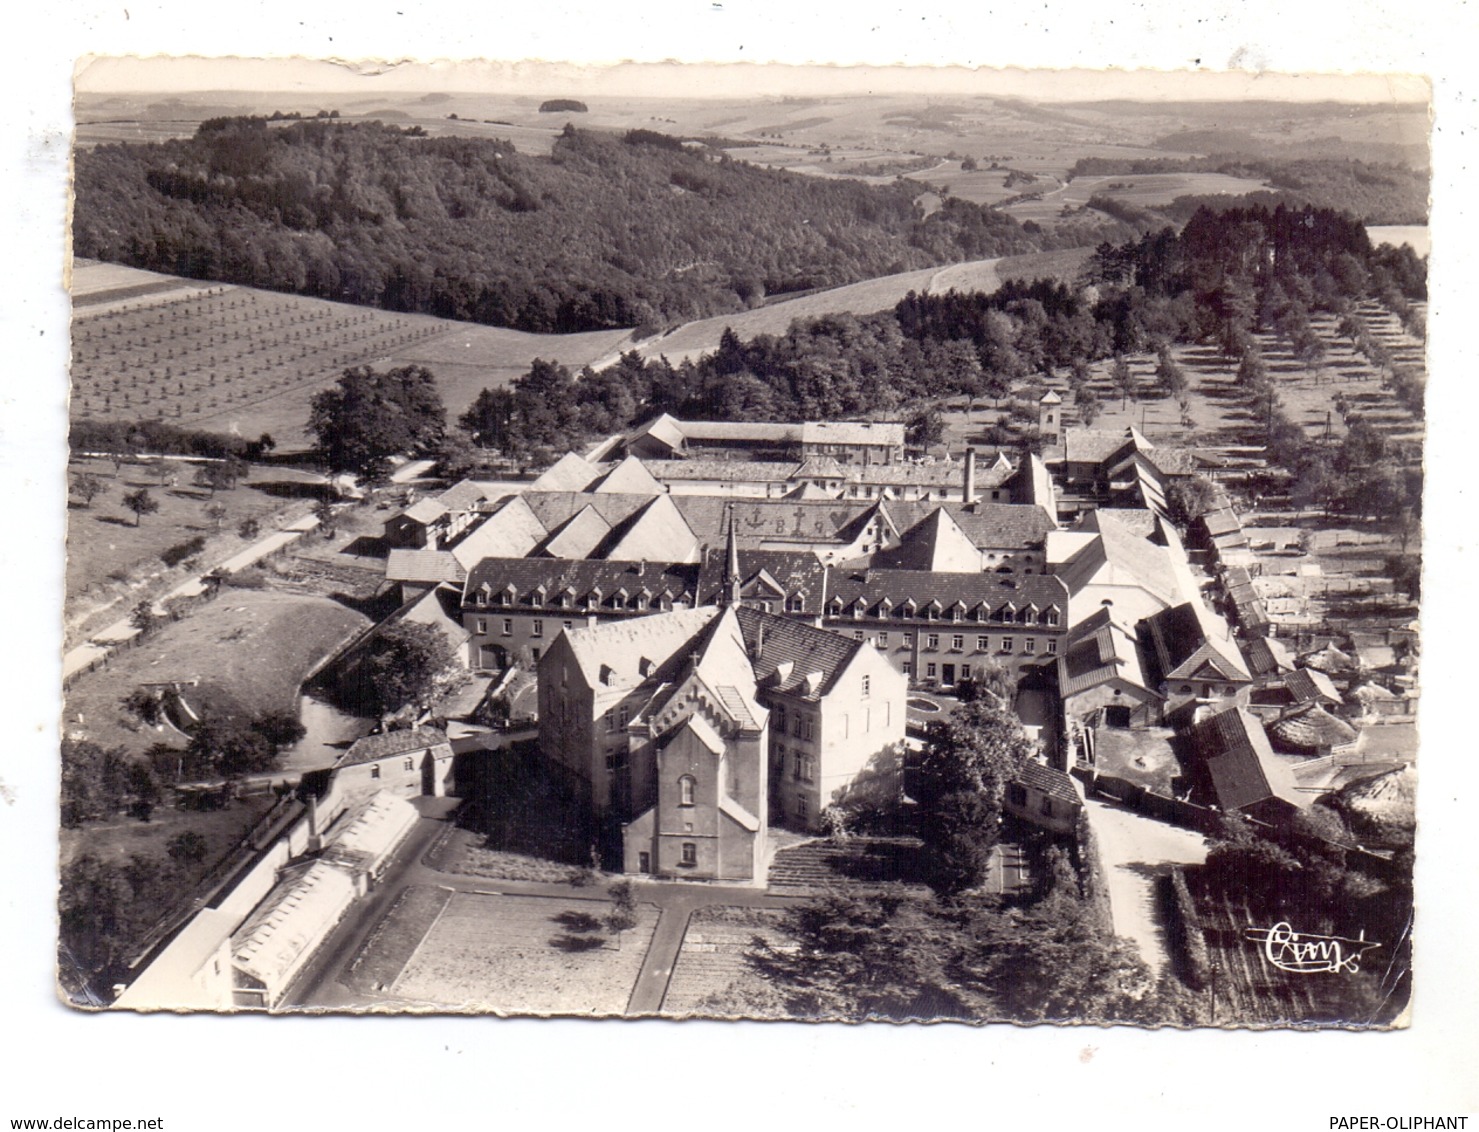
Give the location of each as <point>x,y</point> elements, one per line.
<point>1136,850</point>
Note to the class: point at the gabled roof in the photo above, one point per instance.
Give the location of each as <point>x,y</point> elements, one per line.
<point>1241,765</point>
<point>569,473</point>
<point>809,491</point>
<point>620,647</point>
<point>1119,557</point>
<point>389,743</point>
<point>775,641</point>
<point>658,533</point>
<point>1223,521</point>
<point>426,510</point>
<point>1096,445</point>
<point>577,537</point>
<point>1100,649</point>
<point>511,531</point>
<point>663,428</point>
<point>819,467</point>
<point>631,477</point>
<point>937,543</point>
<point>792,572</point>
<point>465,495</point>
<point>292,919</point>
<point>426,566</point>
<point>989,526</point>
<point>1268,656</point>
<point>373,831</point>
<point>1187,639</point>
<point>1044,779</point>
<point>1311,684</point>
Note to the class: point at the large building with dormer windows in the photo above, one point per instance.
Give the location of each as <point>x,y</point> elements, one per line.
<point>697,728</point>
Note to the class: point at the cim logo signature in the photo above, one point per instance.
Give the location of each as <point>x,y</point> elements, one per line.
<point>1306,954</point>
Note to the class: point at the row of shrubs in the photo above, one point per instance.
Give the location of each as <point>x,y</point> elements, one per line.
<point>176,554</point>
<point>1184,929</point>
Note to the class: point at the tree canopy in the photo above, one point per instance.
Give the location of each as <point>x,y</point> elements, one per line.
<point>369,416</point>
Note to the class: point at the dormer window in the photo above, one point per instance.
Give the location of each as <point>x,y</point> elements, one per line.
<point>957,611</point>
<point>859,607</point>
<point>593,599</point>
<point>1050,615</point>
<point>795,604</point>
<point>836,607</point>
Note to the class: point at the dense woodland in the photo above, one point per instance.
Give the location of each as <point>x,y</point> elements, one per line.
<point>1224,276</point>
<point>608,231</point>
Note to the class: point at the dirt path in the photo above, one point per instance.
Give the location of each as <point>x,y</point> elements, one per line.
<point>1136,850</point>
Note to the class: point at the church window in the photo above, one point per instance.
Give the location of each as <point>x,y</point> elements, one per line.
<point>685,790</point>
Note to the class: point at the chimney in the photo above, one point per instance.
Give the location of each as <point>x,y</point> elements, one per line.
<point>757,650</point>
<point>969,495</point>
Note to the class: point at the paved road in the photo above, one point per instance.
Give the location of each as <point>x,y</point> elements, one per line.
<point>1135,850</point>
<point>318,986</point>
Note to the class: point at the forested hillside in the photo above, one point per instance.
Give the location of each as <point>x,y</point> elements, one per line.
<point>1224,277</point>
<point>607,231</point>
<point>1372,193</point>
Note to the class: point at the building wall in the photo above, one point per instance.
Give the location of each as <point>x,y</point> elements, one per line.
<point>912,645</point>
<point>1144,708</point>
<point>1057,815</point>
<point>401,774</point>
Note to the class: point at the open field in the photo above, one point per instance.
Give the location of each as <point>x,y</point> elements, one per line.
<point>712,958</point>
<point>234,359</point>
<point>253,647</point>
<point>525,955</point>
<point>104,543</point>
<point>464,853</point>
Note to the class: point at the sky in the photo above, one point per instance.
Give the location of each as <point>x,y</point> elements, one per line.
<point>729,80</point>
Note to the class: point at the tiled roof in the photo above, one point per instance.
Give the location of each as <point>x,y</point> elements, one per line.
<point>725,471</point>
<point>657,533</point>
<point>1268,656</point>
<point>793,572</point>
<point>991,526</point>
<point>1241,765</point>
<point>577,537</point>
<point>1094,446</point>
<point>1119,557</point>
<point>372,832</point>
<point>511,531</point>
<point>1100,649</point>
<point>890,433</point>
<point>620,647</point>
<point>465,495</point>
<point>1187,637</point>
<point>663,428</point>
<point>972,593</point>
<point>775,432</point>
<point>780,640</point>
<point>388,743</point>
<point>422,566</point>
<point>936,543</point>
<point>1311,684</point>
<point>630,476</point>
<point>1221,522</point>
<point>569,473</point>
<point>426,510</point>
<point>581,577</point>
<point>1044,779</point>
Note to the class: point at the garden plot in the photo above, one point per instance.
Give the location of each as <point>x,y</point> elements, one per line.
<point>526,955</point>
<point>712,958</point>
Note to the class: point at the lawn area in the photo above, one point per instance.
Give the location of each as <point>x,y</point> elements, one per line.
<point>103,539</point>
<point>395,939</point>
<point>525,955</point>
<point>464,853</point>
<point>253,647</point>
<point>712,961</point>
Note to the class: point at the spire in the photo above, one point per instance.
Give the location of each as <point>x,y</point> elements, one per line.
<point>731,562</point>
